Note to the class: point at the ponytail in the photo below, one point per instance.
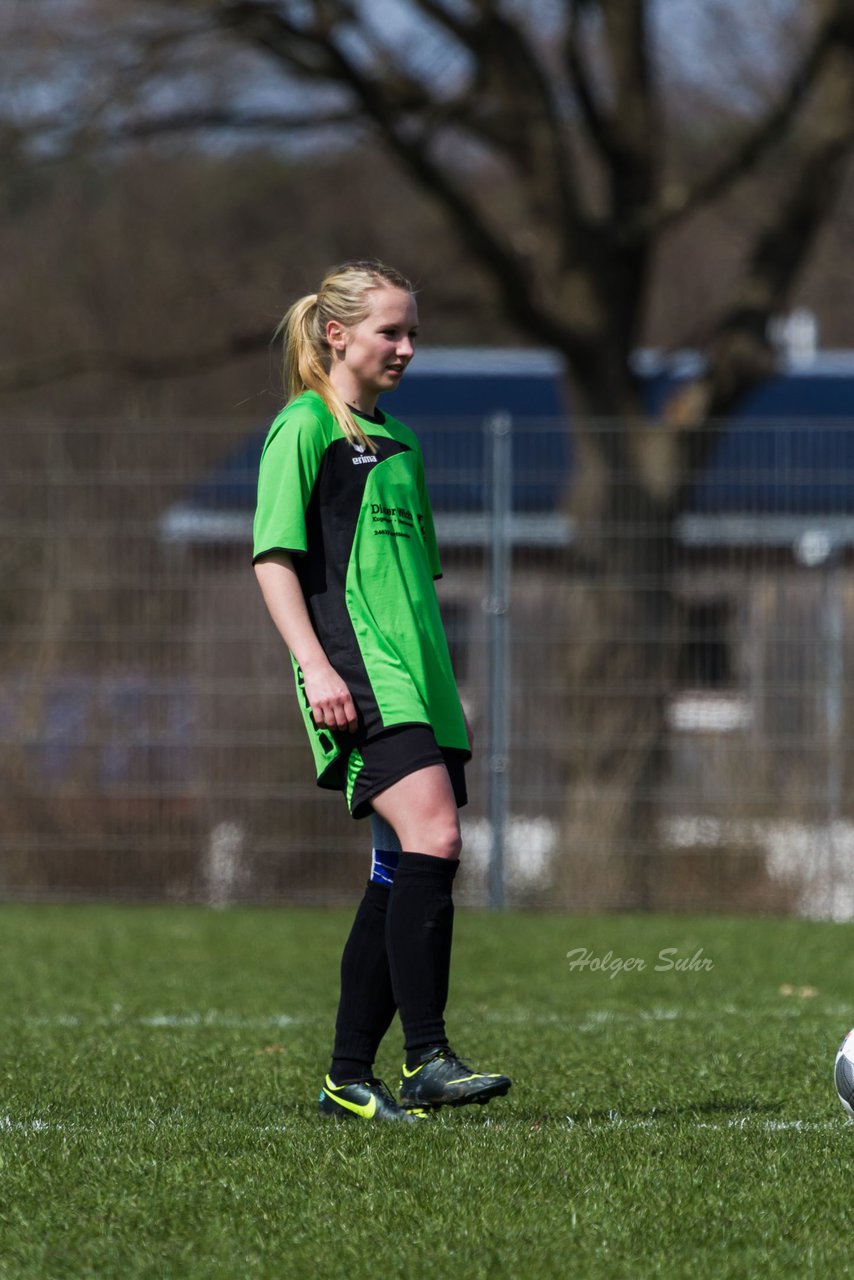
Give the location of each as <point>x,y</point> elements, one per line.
<point>342,296</point>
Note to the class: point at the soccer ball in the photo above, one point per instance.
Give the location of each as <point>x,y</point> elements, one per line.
<point>844,1073</point>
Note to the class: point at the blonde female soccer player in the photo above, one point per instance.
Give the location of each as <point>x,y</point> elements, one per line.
<point>345,554</point>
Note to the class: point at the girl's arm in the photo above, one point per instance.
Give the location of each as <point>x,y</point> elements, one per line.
<point>328,695</point>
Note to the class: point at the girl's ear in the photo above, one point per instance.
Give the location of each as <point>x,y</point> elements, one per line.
<point>336,335</point>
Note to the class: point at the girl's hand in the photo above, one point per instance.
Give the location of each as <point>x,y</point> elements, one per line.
<point>329,698</point>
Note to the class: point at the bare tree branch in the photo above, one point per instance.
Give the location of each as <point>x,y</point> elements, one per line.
<point>452,22</point>
<point>680,202</point>
<point>590,307</point>
<point>511,77</point>
<point>740,354</point>
<point>264,25</point>
<point>534,138</point>
<point>633,132</point>
<point>593,113</point>
<point>223,120</point>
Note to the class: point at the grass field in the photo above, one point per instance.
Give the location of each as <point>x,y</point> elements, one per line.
<point>160,1068</point>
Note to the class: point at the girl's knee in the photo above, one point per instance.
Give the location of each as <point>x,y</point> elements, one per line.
<point>445,841</point>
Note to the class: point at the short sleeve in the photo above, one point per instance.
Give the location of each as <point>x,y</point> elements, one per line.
<point>428,528</point>
<point>290,462</point>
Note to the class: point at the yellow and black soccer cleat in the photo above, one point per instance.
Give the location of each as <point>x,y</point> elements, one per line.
<point>444,1081</point>
<point>364,1100</point>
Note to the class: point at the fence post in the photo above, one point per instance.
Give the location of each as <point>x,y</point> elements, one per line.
<point>820,548</point>
<point>499,427</point>
<point>834,691</point>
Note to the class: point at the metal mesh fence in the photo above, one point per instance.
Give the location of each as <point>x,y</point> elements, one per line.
<point>677,712</point>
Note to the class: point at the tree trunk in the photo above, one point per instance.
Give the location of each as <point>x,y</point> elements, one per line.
<point>620,670</point>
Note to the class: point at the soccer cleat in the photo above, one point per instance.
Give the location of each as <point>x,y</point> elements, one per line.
<point>364,1100</point>
<point>444,1081</point>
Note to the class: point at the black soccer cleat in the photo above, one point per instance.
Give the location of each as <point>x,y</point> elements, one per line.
<point>444,1081</point>
<point>364,1100</point>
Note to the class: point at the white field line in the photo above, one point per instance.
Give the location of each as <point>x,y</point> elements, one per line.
<point>742,1124</point>
<point>8,1125</point>
<point>598,1019</point>
<point>191,1020</point>
<point>591,1021</point>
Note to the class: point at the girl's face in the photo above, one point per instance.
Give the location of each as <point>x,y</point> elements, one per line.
<point>370,357</point>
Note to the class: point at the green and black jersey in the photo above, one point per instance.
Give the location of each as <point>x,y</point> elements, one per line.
<point>360,529</point>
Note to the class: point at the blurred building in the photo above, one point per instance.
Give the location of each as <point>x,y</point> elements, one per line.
<point>758,718</point>
<point>150,742</point>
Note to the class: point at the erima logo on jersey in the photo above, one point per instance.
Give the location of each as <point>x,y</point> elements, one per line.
<point>365,457</point>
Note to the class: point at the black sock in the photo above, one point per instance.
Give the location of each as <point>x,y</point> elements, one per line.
<point>366,1006</point>
<point>419,930</point>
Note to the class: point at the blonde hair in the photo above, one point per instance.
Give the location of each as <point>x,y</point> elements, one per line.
<point>342,296</point>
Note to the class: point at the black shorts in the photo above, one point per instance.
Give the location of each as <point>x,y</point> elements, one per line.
<point>376,764</point>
